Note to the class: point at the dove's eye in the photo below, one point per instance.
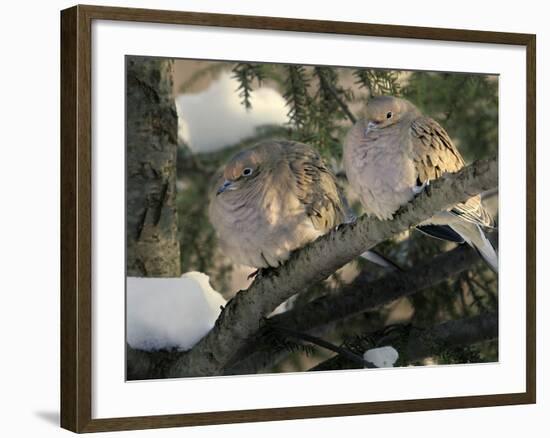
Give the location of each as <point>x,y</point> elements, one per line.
<point>247,171</point>
<point>389,115</point>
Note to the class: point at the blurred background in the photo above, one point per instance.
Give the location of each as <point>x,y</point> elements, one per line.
<point>224,107</point>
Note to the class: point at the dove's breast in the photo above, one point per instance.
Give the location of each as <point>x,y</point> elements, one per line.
<point>380,170</point>
<point>261,231</point>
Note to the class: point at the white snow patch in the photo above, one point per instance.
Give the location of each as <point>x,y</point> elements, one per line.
<point>170,312</point>
<point>383,357</point>
<point>183,127</point>
<point>215,117</point>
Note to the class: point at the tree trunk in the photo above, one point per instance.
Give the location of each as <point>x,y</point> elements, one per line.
<point>151,130</point>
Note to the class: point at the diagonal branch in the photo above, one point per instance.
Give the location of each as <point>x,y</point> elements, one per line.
<point>359,296</point>
<point>349,355</point>
<point>244,314</point>
<point>362,295</point>
<point>432,341</point>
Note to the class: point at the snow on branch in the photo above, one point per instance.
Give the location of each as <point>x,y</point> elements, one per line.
<point>245,313</point>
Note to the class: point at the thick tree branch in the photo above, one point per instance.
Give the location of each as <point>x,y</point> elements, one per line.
<point>455,333</point>
<point>432,341</point>
<point>357,297</point>
<point>244,314</point>
<point>142,365</point>
<point>362,295</point>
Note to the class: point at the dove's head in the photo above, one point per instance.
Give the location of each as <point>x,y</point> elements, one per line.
<point>246,168</point>
<point>384,111</point>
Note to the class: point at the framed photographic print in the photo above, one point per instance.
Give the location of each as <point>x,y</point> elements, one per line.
<point>267,218</point>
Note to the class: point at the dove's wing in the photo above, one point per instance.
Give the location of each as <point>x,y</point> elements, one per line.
<point>434,154</point>
<point>473,211</point>
<point>315,186</point>
<point>433,151</point>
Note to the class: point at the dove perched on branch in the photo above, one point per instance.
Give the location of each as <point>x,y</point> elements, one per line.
<point>392,154</point>
<point>274,198</point>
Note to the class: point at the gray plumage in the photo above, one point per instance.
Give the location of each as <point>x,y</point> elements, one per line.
<point>272,199</point>
<point>393,153</point>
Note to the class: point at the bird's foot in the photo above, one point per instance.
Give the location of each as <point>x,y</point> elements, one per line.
<point>428,189</point>
<point>349,221</point>
<point>422,187</point>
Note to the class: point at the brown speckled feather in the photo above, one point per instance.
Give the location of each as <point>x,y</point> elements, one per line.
<point>315,186</point>
<point>434,154</point>
<point>433,151</point>
<point>393,153</point>
<point>473,211</point>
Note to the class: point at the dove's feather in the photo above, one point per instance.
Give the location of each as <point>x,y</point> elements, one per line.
<point>315,186</point>
<point>433,152</point>
<point>391,156</point>
<point>443,232</point>
<point>473,211</point>
<point>291,199</point>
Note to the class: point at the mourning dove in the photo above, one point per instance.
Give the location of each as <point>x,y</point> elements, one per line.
<point>392,154</point>
<point>274,198</point>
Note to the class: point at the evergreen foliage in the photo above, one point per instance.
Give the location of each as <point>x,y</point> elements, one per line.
<point>246,74</point>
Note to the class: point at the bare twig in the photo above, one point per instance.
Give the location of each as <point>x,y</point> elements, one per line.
<point>434,340</point>
<point>349,355</point>
<point>336,97</point>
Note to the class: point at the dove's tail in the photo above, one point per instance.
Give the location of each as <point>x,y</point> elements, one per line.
<point>372,255</point>
<point>381,260</point>
<point>475,237</point>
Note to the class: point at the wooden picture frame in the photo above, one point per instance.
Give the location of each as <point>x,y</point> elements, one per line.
<point>76,217</point>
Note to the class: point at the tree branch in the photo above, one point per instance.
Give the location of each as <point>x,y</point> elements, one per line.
<point>432,341</point>
<point>362,295</point>
<point>349,355</point>
<point>357,297</point>
<point>244,314</point>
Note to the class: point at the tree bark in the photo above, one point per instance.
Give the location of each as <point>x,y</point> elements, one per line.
<point>245,313</point>
<point>151,128</point>
<point>357,297</point>
<point>316,317</point>
<point>432,341</point>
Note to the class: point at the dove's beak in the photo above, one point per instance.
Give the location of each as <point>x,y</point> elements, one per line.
<point>370,126</point>
<point>226,186</point>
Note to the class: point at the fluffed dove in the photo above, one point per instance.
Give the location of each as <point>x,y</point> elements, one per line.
<point>392,154</point>
<point>274,198</point>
